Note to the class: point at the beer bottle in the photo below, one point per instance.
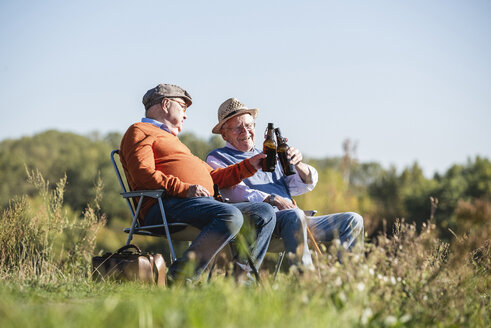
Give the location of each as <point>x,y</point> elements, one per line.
<point>218,196</point>
<point>269,148</point>
<point>288,168</point>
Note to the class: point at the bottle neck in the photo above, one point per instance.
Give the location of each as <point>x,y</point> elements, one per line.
<point>280,139</point>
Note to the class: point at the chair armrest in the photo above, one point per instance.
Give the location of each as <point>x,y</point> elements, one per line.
<point>148,193</point>
<point>310,213</point>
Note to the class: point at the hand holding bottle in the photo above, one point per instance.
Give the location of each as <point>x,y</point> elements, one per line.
<point>257,160</point>
<point>294,156</point>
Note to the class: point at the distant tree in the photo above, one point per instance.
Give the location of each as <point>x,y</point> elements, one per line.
<point>200,147</point>
<point>113,139</point>
<point>322,163</point>
<point>216,141</point>
<point>54,154</point>
<point>460,185</point>
<point>365,174</point>
<point>416,191</point>
<point>451,187</point>
<point>82,158</point>
<point>463,192</point>
<point>387,193</point>
<point>478,176</point>
<point>408,194</point>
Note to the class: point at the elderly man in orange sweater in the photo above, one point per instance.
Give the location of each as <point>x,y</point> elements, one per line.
<point>153,158</point>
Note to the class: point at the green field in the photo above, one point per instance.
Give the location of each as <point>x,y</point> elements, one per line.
<point>409,279</point>
<point>407,276</point>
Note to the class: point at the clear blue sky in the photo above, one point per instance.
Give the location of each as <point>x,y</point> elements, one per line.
<point>407,80</point>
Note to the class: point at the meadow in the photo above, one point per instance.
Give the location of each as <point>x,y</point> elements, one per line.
<point>407,277</point>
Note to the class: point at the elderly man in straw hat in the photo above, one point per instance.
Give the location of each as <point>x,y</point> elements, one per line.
<point>237,127</point>
<point>154,158</point>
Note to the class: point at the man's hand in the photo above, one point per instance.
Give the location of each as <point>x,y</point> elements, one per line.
<point>281,203</point>
<point>256,160</point>
<point>294,155</point>
<point>197,191</point>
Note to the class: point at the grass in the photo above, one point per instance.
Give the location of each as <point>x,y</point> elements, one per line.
<point>352,295</point>
<point>410,279</point>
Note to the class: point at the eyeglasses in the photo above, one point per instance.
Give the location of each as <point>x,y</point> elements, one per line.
<point>183,104</point>
<point>238,129</point>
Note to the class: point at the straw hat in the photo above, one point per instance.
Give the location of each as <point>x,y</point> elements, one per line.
<point>230,108</point>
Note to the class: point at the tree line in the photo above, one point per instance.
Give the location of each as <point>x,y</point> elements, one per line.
<point>457,201</point>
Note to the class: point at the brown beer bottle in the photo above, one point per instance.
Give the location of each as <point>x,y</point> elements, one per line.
<point>269,148</point>
<point>218,196</point>
<point>288,168</point>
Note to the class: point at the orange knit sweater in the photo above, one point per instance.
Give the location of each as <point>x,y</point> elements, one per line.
<point>154,159</point>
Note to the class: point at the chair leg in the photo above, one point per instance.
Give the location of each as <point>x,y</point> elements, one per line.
<point>134,220</point>
<point>213,262</point>
<point>254,269</point>
<point>242,244</point>
<point>278,265</point>
<point>167,233</point>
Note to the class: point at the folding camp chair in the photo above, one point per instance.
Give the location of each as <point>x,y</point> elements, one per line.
<point>173,231</point>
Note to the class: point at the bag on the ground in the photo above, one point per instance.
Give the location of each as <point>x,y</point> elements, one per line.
<point>129,263</point>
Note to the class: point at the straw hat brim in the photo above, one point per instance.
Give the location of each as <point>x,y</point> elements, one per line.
<point>252,111</point>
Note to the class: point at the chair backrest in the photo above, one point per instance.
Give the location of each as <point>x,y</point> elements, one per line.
<point>120,179</point>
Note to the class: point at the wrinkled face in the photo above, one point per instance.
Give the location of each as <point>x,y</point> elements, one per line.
<point>175,109</point>
<point>239,132</point>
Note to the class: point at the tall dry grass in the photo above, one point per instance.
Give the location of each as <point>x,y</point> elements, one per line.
<point>409,278</point>
<point>44,241</point>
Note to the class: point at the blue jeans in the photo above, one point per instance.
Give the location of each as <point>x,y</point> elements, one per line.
<point>219,224</point>
<point>261,217</point>
<point>290,226</point>
<point>347,227</point>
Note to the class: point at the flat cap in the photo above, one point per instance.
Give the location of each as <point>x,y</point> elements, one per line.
<point>155,95</point>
